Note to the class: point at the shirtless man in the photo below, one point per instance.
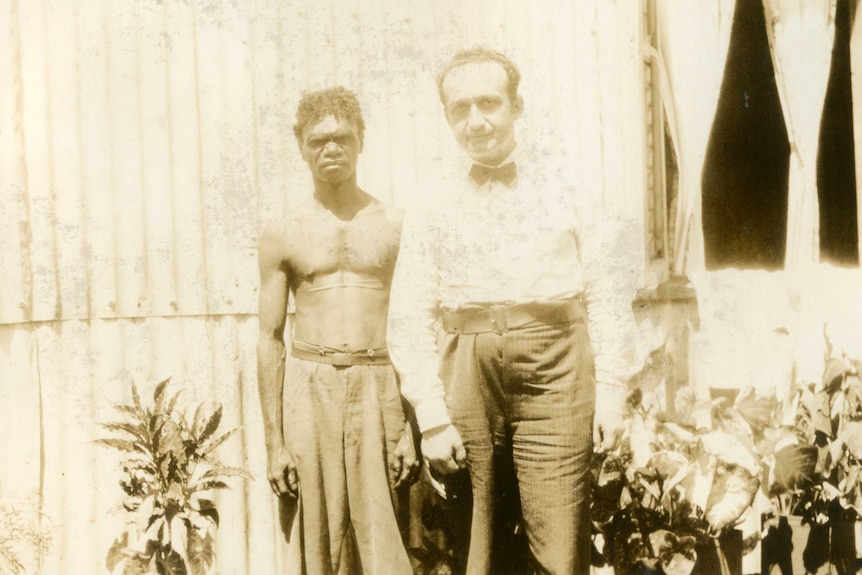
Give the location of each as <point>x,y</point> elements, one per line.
<point>336,436</point>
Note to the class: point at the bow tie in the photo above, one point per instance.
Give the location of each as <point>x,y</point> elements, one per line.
<point>504,174</point>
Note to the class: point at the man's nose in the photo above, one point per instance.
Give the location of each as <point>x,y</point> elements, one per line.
<point>475,119</point>
<point>331,148</point>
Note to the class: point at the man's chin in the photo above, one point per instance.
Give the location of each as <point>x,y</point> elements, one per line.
<point>485,157</point>
<point>335,175</point>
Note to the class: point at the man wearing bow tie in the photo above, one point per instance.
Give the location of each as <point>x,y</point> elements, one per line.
<point>500,329</point>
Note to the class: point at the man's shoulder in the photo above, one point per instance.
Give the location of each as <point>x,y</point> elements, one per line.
<point>280,232</point>
<point>393,215</point>
<point>293,214</point>
<point>424,207</point>
<point>302,210</point>
<point>271,248</point>
<point>384,212</point>
<point>385,207</point>
<point>449,191</point>
<point>555,181</point>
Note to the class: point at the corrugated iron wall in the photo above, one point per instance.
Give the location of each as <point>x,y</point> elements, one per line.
<point>60,378</point>
<point>144,144</point>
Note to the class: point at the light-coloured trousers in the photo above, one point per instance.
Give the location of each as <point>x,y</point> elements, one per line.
<point>525,396</point>
<point>341,424</point>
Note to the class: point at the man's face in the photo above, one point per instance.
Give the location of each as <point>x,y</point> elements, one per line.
<point>479,111</point>
<point>331,148</point>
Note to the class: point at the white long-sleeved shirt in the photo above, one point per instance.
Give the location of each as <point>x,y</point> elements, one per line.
<point>499,244</point>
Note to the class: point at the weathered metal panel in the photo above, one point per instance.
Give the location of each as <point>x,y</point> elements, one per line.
<point>15,233</point>
<point>148,142</point>
<point>143,145</point>
<point>58,379</point>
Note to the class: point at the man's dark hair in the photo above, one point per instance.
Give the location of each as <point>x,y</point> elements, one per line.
<point>337,101</point>
<point>481,54</point>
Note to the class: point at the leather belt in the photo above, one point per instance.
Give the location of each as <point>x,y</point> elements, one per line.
<point>339,357</point>
<point>501,318</point>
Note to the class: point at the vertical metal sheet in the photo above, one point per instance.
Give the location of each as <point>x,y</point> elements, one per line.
<point>144,144</point>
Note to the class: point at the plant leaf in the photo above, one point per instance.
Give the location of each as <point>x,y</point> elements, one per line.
<point>159,391</point>
<point>172,402</point>
<point>173,466</point>
<point>115,553</point>
<point>197,420</point>
<point>425,557</point>
<point>120,444</point>
<point>10,562</point>
<point>832,374</point>
<point>794,468</point>
<point>850,433</point>
<point>668,463</point>
<point>853,397</point>
<point>218,469</point>
<point>678,564</point>
<point>180,538</point>
<point>201,554</point>
<point>209,511</point>
<point>135,397</point>
<point>157,437</point>
<point>732,492</point>
<point>126,427</point>
<point>730,448</point>
<point>173,564</point>
<point>137,565</point>
<point>215,484</point>
<point>211,426</point>
<point>218,441</point>
<point>130,410</point>
<point>757,411</point>
<point>821,419</point>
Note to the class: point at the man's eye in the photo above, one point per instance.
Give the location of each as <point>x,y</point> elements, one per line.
<point>488,104</point>
<point>460,109</point>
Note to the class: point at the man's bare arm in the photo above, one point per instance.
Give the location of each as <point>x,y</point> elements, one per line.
<point>272,310</point>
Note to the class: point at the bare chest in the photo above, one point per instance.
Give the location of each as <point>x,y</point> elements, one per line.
<point>366,246</point>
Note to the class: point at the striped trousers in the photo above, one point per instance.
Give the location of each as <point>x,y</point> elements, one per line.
<point>523,402</point>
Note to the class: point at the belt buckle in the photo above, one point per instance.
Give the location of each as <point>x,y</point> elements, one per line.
<point>341,359</point>
<point>497,315</point>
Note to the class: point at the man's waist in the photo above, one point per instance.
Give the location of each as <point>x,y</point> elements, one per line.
<point>500,317</point>
<point>339,357</point>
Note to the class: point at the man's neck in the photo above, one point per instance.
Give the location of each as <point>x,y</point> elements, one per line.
<point>496,161</point>
<point>344,199</point>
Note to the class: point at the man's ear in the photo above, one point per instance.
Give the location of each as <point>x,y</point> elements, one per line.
<point>518,105</point>
<point>445,109</point>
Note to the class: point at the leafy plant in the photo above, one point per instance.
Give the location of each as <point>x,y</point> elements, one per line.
<point>25,535</point>
<point>667,490</point>
<point>435,556</point>
<point>836,502</point>
<point>812,461</point>
<point>169,476</point>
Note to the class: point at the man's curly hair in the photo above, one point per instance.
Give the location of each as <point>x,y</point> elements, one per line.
<point>478,54</point>
<point>337,101</point>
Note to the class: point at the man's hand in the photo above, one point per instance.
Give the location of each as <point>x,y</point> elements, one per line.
<point>281,472</point>
<point>443,450</point>
<point>607,428</point>
<point>403,463</point>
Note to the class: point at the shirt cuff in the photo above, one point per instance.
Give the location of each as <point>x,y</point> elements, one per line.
<point>431,413</point>
<point>611,397</point>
